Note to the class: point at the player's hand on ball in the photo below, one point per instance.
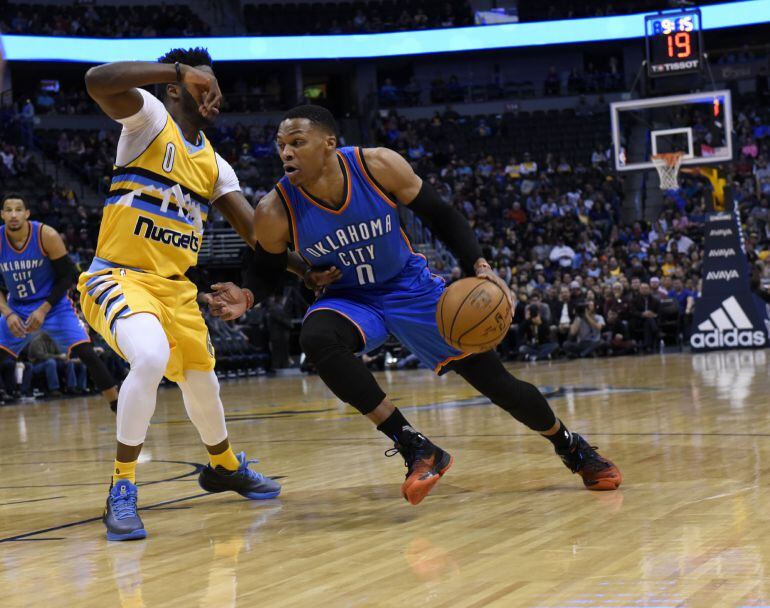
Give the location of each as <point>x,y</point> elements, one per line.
<point>35,320</point>
<point>204,88</point>
<point>16,325</point>
<point>317,280</point>
<point>484,271</point>
<point>227,301</point>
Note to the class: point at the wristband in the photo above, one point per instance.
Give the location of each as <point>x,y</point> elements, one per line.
<point>178,69</point>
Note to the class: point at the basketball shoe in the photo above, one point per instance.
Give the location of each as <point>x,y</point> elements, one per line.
<point>246,482</point>
<point>120,515</point>
<point>425,463</point>
<point>598,473</point>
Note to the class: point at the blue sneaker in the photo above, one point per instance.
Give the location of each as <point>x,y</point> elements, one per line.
<point>120,516</point>
<point>246,482</point>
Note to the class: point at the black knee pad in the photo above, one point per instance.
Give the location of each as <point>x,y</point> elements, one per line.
<point>330,342</point>
<point>326,331</point>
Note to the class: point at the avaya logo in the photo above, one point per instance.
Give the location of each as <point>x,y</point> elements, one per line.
<point>722,275</point>
<point>721,253</point>
<point>727,326</point>
<point>721,232</point>
<point>721,217</point>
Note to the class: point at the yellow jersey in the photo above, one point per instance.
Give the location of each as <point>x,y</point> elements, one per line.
<point>160,194</point>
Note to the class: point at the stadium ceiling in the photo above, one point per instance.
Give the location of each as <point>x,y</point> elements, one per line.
<point>358,46</point>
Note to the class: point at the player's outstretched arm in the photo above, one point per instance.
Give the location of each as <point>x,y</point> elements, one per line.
<point>54,247</point>
<point>264,273</point>
<point>114,85</point>
<point>396,176</point>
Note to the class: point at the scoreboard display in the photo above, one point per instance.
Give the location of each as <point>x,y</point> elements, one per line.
<point>674,43</point>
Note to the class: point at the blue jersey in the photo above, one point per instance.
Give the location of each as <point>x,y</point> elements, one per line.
<point>28,273</point>
<point>363,238</point>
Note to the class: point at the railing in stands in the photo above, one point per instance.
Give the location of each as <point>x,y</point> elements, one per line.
<point>221,246</point>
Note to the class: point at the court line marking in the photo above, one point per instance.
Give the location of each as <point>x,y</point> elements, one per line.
<point>724,494</point>
<point>82,522</point>
<point>197,468</point>
<point>21,502</point>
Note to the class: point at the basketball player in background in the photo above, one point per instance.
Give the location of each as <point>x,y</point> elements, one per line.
<point>38,273</point>
<point>721,191</point>
<point>339,208</point>
<point>135,294</point>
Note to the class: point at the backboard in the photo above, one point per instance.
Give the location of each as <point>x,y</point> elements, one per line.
<point>698,124</point>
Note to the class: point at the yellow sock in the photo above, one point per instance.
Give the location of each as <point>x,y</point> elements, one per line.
<point>226,459</point>
<point>124,470</point>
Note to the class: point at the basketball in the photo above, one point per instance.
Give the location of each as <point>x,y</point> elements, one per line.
<point>473,315</point>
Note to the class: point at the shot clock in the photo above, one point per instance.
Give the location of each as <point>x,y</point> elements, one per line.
<point>674,43</point>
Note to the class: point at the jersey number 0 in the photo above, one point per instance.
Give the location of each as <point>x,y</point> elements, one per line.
<point>365,274</point>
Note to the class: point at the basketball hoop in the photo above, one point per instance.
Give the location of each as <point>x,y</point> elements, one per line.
<point>668,169</point>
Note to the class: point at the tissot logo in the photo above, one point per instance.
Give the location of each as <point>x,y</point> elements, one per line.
<point>721,232</point>
<point>721,217</point>
<point>167,236</point>
<point>721,253</point>
<point>722,275</point>
<point>728,326</point>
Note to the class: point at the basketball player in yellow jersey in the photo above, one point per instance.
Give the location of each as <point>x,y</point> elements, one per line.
<point>135,294</point>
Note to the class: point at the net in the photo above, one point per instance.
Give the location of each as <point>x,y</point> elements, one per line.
<point>668,169</point>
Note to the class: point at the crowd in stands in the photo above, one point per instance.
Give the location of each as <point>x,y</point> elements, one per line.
<point>104,21</point>
<point>587,284</point>
<point>254,95</point>
<point>281,18</point>
<point>548,219</point>
<point>593,79</point>
<point>534,10</point>
<point>273,19</point>
<point>355,17</point>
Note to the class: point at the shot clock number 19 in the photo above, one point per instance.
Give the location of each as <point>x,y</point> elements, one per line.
<point>674,43</point>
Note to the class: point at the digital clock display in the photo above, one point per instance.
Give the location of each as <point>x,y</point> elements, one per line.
<point>674,43</point>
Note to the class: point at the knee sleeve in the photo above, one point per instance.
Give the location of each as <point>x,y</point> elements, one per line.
<point>144,344</point>
<point>522,400</point>
<point>200,392</point>
<point>97,370</point>
<point>330,341</point>
<point>325,332</point>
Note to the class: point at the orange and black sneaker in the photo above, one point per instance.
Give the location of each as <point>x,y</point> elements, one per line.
<point>425,463</point>
<point>598,473</point>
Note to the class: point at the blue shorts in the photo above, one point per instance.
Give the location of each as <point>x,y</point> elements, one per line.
<point>61,324</point>
<point>405,307</point>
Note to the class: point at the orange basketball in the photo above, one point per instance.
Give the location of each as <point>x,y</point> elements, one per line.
<point>473,315</point>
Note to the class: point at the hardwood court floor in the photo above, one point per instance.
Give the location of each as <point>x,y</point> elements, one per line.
<point>507,526</point>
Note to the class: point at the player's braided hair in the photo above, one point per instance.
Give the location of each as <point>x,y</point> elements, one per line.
<point>193,57</point>
<point>316,114</point>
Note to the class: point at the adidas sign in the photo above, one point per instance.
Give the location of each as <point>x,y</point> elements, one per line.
<point>728,326</point>
<point>721,253</point>
<point>722,275</point>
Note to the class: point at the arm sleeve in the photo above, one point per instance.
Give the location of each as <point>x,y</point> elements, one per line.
<point>265,272</point>
<point>449,225</point>
<point>227,180</point>
<point>140,129</point>
<point>65,277</point>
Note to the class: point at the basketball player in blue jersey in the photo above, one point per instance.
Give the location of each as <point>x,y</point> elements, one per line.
<point>38,273</point>
<point>338,208</point>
